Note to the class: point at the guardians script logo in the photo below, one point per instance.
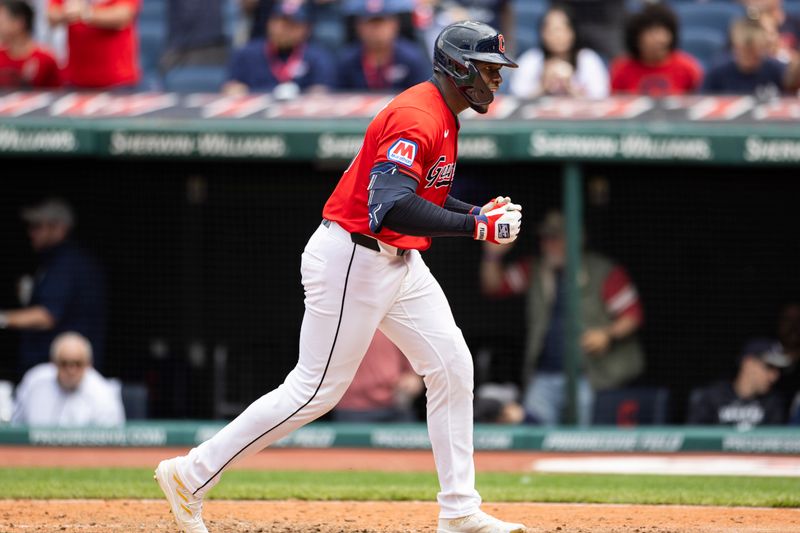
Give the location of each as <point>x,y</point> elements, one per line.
<point>440,174</point>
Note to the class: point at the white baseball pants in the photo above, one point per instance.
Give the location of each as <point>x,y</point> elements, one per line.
<point>350,291</point>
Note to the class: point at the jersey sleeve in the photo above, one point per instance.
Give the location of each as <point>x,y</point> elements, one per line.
<point>620,295</point>
<point>406,139</point>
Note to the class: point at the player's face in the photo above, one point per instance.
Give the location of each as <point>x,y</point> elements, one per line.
<point>490,73</point>
<point>762,376</point>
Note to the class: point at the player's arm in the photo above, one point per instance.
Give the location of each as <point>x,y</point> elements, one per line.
<point>393,203</point>
<point>36,317</point>
<point>457,206</point>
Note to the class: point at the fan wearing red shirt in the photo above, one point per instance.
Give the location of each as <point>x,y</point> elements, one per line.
<point>654,67</point>
<point>103,45</point>
<point>23,63</point>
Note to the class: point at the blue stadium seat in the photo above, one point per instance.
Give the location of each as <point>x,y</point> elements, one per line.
<point>792,7</point>
<point>153,11</point>
<point>195,79</point>
<point>152,36</point>
<point>329,26</point>
<point>527,14</point>
<point>632,406</point>
<point>716,15</point>
<point>707,45</point>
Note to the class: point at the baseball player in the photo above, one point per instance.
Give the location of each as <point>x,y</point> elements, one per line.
<point>362,270</point>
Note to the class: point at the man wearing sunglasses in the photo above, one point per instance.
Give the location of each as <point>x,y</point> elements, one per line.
<point>68,391</point>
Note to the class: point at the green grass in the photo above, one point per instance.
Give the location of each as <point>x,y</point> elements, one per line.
<point>260,485</point>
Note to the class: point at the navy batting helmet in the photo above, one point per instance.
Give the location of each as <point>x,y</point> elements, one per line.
<point>457,46</point>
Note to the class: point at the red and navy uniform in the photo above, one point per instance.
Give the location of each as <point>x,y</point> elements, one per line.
<point>418,133</point>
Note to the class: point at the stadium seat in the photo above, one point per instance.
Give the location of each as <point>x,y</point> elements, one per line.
<point>134,400</point>
<point>792,8</point>
<point>527,14</point>
<point>633,406</point>
<point>706,45</point>
<point>195,79</point>
<point>153,11</point>
<point>716,15</point>
<point>152,37</point>
<point>329,26</point>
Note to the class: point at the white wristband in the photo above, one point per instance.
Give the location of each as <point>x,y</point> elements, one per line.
<point>3,321</point>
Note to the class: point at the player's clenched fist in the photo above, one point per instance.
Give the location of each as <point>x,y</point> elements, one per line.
<point>497,202</point>
<point>500,225</point>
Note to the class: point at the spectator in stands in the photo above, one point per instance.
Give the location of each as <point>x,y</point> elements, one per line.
<point>611,315</point>
<point>793,76</point>
<point>286,63</point>
<point>599,23</point>
<point>748,400</point>
<point>750,70</point>
<point>103,44</point>
<point>257,12</point>
<point>384,388</point>
<point>194,34</point>
<point>786,28</point>
<point>559,66</point>
<point>68,391</point>
<point>381,60</point>
<point>68,292</point>
<point>653,65</point>
<point>789,336</point>
<point>23,62</point>
<point>497,403</point>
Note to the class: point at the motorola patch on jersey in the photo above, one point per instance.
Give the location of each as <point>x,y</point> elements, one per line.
<point>403,151</point>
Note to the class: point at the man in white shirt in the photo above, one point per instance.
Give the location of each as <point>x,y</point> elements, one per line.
<point>68,391</point>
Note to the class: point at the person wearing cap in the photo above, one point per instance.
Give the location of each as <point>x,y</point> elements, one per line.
<point>284,63</point>
<point>68,391</point>
<point>611,314</point>
<point>749,400</point>
<point>68,292</point>
<point>381,60</point>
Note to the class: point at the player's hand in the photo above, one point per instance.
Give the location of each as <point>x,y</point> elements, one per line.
<point>500,225</point>
<point>497,202</point>
<point>596,342</point>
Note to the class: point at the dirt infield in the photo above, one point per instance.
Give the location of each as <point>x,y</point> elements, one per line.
<point>18,516</point>
<point>381,517</point>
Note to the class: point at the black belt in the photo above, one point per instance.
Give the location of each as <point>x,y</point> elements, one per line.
<point>364,240</point>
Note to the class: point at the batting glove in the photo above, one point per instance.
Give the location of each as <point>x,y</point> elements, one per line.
<point>500,225</point>
<point>495,203</point>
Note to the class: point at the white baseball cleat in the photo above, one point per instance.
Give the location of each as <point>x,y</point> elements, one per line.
<point>185,507</point>
<point>479,522</point>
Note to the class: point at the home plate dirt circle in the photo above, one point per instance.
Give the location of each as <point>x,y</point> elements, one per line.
<point>17,516</point>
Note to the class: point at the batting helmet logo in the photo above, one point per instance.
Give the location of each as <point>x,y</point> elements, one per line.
<point>501,43</point>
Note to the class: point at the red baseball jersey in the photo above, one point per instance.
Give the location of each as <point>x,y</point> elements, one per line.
<point>417,132</point>
<point>38,69</point>
<point>99,57</point>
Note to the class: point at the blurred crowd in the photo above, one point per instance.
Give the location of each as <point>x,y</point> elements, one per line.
<point>582,48</point>
<point>62,315</point>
